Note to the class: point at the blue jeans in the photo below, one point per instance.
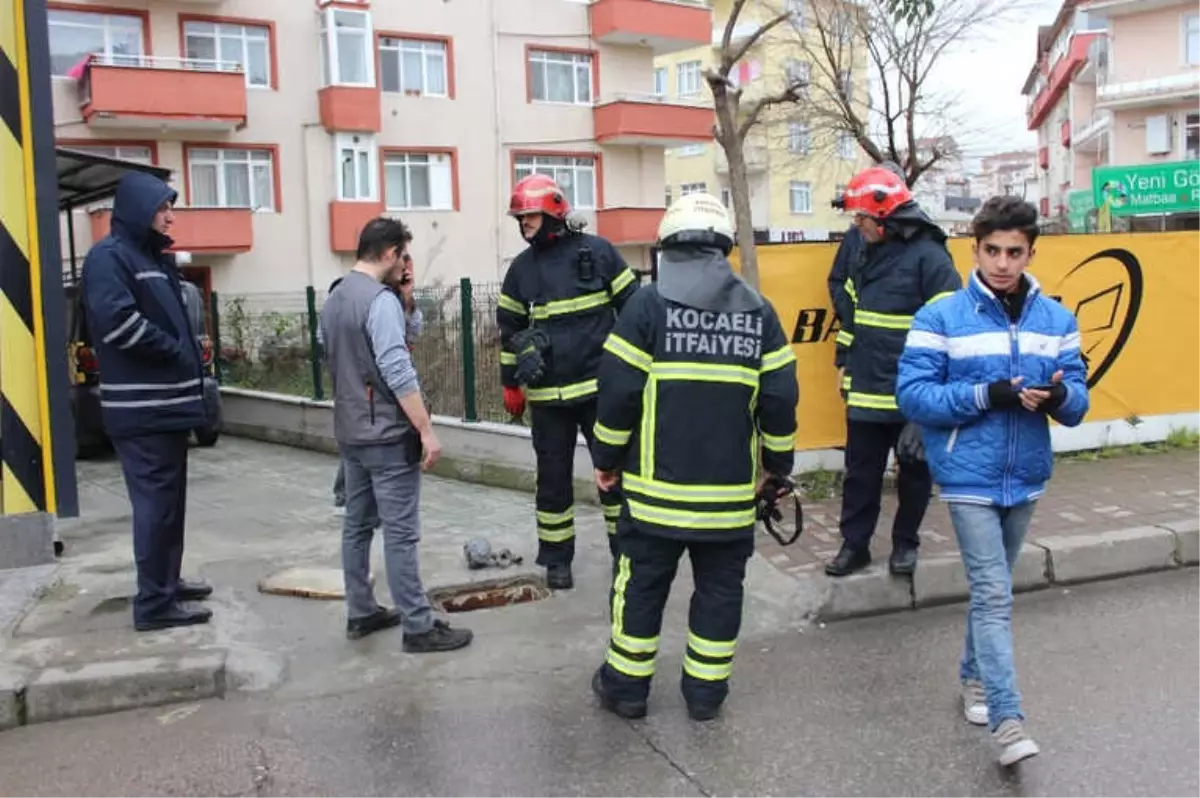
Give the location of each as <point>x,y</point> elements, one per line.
<point>989,539</point>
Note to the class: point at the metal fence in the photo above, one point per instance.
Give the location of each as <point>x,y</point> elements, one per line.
<point>268,342</point>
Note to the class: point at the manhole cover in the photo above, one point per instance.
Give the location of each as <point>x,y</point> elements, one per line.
<point>485,595</point>
<point>306,582</point>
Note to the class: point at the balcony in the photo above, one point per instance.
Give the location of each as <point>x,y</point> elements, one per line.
<point>209,231</point>
<point>351,109</point>
<point>1044,157</point>
<point>164,94</point>
<point>1061,74</point>
<point>1064,132</point>
<point>661,25</point>
<point>346,221</point>
<point>1090,136</point>
<point>649,120</point>
<point>629,226</point>
<point>1044,206</point>
<point>1133,89</point>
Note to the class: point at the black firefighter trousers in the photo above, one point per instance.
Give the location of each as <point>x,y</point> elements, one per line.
<point>645,569</point>
<point>555,430</point>
<point>868,444</point>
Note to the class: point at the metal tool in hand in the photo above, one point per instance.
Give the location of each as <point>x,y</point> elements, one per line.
<point>772,502</point>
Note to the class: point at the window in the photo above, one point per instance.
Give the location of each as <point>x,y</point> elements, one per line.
<point>414,66</point>
<point>727,198</point>
<point>421,181</point>
<point>845,146</point>
<point>219,45</point>
<point>795,10</point>
<point>77,34</point>
<point>797,72</point>
<point>1191,39</point>
<point>575,175</point>
<point>799,138</point>
<point>221,178</point>
<point>136,153</point>
<point>558,77</point>
<point>690,150</point>
<point>687,78</point>
<point>1191,141</point>
<point>355,155</point>
<point>346,48</point>
<point>692,188</point>
<point>668,197</point>
<point>660,82</point>
<point>846,84</point>
<point>800,197</point>
<point>843,27</point>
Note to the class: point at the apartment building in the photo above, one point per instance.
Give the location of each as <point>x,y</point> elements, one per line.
<point>795,168</point>
<point>1115,84</point>
<point>1012,173</point>
<point>287,124</point>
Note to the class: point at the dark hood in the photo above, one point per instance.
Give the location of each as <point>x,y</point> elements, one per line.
<point>909,220</point>
<point>139,196</point>
<point>701,278</point>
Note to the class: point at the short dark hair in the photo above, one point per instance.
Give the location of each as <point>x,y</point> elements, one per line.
<point>379,235</point>
<point>1006,212</point>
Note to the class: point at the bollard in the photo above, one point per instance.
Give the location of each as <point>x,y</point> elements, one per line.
<point>314,354</point>
<point>216,335</point>
<point>468,349</point>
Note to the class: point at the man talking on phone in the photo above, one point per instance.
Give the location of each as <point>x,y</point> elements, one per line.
<point>385,438</point>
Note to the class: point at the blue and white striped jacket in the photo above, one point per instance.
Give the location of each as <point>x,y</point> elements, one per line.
<point>151,372</point>
<point>959,344</point>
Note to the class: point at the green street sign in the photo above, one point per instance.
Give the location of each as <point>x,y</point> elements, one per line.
<point>1148,188</point>
<point>1079,204</point>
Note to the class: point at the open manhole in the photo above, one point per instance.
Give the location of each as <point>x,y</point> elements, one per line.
<point>492,593</point>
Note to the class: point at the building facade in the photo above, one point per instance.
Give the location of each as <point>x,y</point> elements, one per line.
<point>1115,83</point>
<point>287,124</point>
<point>795,164</point>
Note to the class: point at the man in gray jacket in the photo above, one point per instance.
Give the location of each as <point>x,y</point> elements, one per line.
<point>385,438</point>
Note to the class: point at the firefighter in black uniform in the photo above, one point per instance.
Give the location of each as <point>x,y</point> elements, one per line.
<point>904,264</point>
<point>697,410</point>
<point>558,303</point>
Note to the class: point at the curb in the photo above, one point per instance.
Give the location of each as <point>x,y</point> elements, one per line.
<point>57,692</point>
<point>1053,560</point>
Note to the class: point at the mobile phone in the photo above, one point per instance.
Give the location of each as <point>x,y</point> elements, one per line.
<point>1049,387</point>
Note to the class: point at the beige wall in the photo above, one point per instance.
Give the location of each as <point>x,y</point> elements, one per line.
<point>1148,45</point>
<point>1129,133</point>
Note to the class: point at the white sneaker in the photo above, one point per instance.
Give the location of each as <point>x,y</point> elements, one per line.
<point>974,702</point>
<point>1014,744</point>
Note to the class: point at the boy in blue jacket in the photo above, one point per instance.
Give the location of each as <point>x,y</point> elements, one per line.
<point>982,372</point>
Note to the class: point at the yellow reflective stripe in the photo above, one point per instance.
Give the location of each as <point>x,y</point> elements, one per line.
<point>888,321</point>
<point>706,372</point>
<point>711,494</point>
<point>710,648</point>
<point>663,516</point>
<point>612,437</point>
<point>636,645</point>
<point>846,383</point>
<point>575,390</point>
<point>561,307</point>
<point>628,352</point>
<point>508,359</point>
<point>556,518</point>
<point>611,526</point>
<point>618,596</point>
<point>622,280</point>
<point>778,443</point>
<point>936,297</point>
<point>845,338</point>
<point>512,305</point>
<point>649,415</point>
<point>707,670</point>
<point>849,286</point>
<point>871,401</point>
<point>556,535</point>
<point>638,669</point>
<point>612,511</point>
<point>778,359</point>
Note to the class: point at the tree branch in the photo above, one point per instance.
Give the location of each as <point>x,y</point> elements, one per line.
<point>790,94</point>
<point>751,40</point>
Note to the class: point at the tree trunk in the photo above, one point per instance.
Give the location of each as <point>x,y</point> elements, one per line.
<point>739,184</point>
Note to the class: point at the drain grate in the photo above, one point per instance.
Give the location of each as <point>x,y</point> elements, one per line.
<point>489,594</point>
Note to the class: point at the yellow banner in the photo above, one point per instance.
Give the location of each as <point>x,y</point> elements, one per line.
<point>1136,296</point>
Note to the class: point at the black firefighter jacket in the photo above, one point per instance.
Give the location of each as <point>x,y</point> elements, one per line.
<point>689,401</point>
<point>572,290</point>
<point>893,279</point>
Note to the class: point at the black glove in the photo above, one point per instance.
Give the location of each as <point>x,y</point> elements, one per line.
<point>910,447</point>
<point>1058,395</point>
<point>1003,396</point>
<point>531,366</point>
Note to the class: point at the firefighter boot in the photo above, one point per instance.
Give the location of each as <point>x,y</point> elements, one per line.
<point>558,577</point>
<point>630,710</point>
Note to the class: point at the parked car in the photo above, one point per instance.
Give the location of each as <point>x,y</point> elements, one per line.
<point>90,438</point>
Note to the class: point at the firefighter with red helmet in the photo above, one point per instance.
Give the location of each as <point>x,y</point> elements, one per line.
<point>904,265</point>
<point>559,300</point>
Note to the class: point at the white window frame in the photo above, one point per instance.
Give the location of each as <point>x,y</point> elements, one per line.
<point>799,138</point>
<point>577,61</point>
<point>727,197</point>
<point>1191,124</point>
<point>363,150</point>
<point>692,188</point>
<point>580,167</point>
<point>329,38</point>
<point>103,21</point>
<point>440,198</point>
<point>225,157</point>
<point>796,16</point>
<point>799,188</point>
<point>687,79</point>
<point>1191,28</point>
<point>846,84</point>
<point>845,146</point>
<point>230,30</point>
<point>123,151</point>
<point>690,150</point>
<point>429,50</point>
<point>660,82</point>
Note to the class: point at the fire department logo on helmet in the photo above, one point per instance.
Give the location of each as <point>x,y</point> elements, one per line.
<point>698,218</point>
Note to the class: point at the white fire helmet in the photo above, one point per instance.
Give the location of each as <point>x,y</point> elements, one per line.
<point>698,218</point>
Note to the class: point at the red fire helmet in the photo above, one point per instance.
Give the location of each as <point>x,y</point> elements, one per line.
<point>538,194</point>
<point>876,192</point>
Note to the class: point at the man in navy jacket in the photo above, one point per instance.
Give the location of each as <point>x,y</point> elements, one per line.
<point>151,389</point>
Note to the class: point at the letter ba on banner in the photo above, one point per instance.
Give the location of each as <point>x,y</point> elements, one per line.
<point>1136,297</point>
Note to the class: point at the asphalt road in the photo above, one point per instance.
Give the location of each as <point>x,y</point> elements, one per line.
<point>1110,672</point>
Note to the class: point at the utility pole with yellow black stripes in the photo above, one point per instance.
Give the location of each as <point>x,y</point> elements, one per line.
<point>37,441</point>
